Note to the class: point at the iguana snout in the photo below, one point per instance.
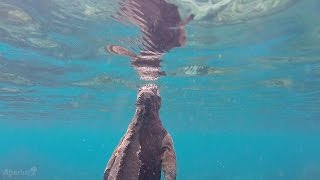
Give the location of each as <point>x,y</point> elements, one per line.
<point>149,97</point>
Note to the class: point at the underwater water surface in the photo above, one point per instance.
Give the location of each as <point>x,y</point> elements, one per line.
<point>241,99</point>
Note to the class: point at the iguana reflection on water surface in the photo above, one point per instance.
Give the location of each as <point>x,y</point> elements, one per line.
<point>159,21</point>
<point>162,29</point>
<point>146,148</point>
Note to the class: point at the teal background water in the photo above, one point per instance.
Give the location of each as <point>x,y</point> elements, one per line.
<point>65,103</point>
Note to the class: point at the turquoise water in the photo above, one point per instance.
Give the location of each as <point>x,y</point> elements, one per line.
<point>65,103</point>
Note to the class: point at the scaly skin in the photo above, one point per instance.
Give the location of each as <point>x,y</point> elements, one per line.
<point>146,148</point>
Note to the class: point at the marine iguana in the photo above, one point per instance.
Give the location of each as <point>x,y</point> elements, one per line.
<point>146,148</point>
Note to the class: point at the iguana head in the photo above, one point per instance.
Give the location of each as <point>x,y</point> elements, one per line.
<point>149,97</point>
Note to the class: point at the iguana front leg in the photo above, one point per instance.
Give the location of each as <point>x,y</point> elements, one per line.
<point>168,158</point>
